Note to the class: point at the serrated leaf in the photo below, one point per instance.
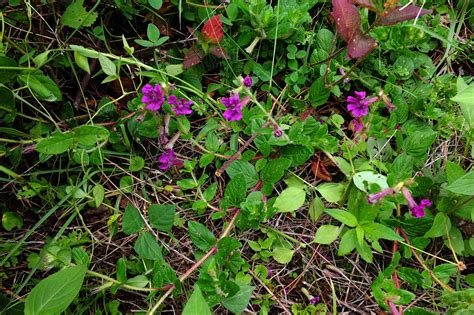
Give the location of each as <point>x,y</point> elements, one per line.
<point>237,302</point>
<point>76,16</point>
<point>147,247</point>
<point>53,294</point>
<point>201,236</point>
<point>132,221</point>
<point>246,169</point>
<point>162,216</point>
<point>282,254</point>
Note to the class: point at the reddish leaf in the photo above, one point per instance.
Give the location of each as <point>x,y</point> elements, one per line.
<point>366,4</point>
<point>347,18</point>
<point>212,30</point>
<point>193,57</point>
<point>360,46</point>
<point>219,51</point>
<point>396,15</point>
<point>320,171</point>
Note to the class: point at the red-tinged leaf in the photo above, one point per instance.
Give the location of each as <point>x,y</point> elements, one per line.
<point>366,4</point>
<point>219,51</point>
<point>347,18</point>
<point>360,46</point>
<point>319,170</point>
<point>212,30</point>
<point>193,57</point>
<point>396,15</point>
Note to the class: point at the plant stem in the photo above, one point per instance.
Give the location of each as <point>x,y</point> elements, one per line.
<point>196,265</point>
<point>125,286</point>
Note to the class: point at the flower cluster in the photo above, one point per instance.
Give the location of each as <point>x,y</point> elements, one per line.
<point>234,106</point>
<point>358,105</point>
<point>154,97</point>
<point>417,210</point>
<point>168,159</point>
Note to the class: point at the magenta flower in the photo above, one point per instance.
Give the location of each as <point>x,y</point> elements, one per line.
<point>314,300</point>
<point>180,107</point>
<point>168,159</point>
<point>270,272</point>
<point>248,81</point>
<point>234,107</point>
<point>153,97</point>
<point>371,199</point>
<point>359,105</point>
<point>277,131</point>
<point>357,124</point>
<point>417,210</point>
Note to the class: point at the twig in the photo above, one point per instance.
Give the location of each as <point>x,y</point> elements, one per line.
<point>196,265</point>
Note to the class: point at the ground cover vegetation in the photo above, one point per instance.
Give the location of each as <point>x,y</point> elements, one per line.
<point>221,157</point>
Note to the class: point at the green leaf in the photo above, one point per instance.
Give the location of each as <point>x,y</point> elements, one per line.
<point>290,199</point>
<point>196,305</point>
<point>57,144</point>
<point>236,189</point>
<point>147,247</point>
<point>418,143</point>
<point>453,172</point>
<point>201,236</point>
<point>136,164</point>
<point>363,180</point>
<point>342,216</point>
<point>42,86</point>
<point>90,135</point>
<point>139,281</point>
<point>126,184</point>
<point>465,98</point>
<point>297,153</point>
<point>374,231</point>
<point>53,294</point>
<point>348,242</point>
<point>156,4</point>
<point>76,16</point>
<point>98,193</point>
<point>318,93</point>
<point>107,65</point>
<point>239,301</point>
<point>275,169</point>
<point>326,234</point>
<point>246,169</point>
<point>282,254</point>
<point>82,62</point>
<point>162,216</point>
<point>153,33</point>
<point>332,192</point>
<point>463,185</point>
<point>316,208</point>
<point>11,220</point>
<point>132,221</point>
<point>441,226</point>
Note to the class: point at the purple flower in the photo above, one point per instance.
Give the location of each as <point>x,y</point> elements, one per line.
<point>270,272</point>
<point>234,107</point>
<point>314,300</point>
<point>357,125</point>
<point>417,210</point>
<point>371,199</point>
<point>168,159</point>
<point>277,131</point>
<point>153,97</point>
<point>248,81</point>
<point>359,105</point>
<point>180,107</point>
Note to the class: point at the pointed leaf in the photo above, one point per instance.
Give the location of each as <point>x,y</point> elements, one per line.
<point>360,46</point>
<point>397,15</point>
<point>196,304</point>
<point>347,18</point>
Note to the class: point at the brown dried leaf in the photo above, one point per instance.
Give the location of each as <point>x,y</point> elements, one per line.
<point>219,51</point>
<point>193,57</point>
<point>347,18</point>
<point>319,170</point>
<point>396,15</point>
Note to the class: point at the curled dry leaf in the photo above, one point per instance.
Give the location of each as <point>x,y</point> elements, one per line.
<point>320,171</point>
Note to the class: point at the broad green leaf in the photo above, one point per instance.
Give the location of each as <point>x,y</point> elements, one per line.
<point>275,169</point>
<point>107,65</point>
<point>342,216</point>
<point>42,86</point>
<point>290,199</point>
<point>162,216</point>
<point>126,184</point>
<point>90,135</point>
<point>282,254</point>
<point>82,62</point>
<point>132,221</point>
<point>196,305</point>
<point>76,16</point>
<point>246,169</point>
<point>453,172</point>
<point>56,144</point>
<point>332,192</point>
<point>156,4</point>
<point>318,92</point>
<point>147,247</point>
<point>153,33</point>
<point>465,98</point>
<point>348,242</point>
<point>463,185</point>
<point>441,226</point>
<point>201,236</point>
<point>11,220</point>
<point>139,281</point>
<point>363,180</point>
<point>98,193</point>
<point>374,231</point>
<point>326,234</point>
<point>53,294</point>
<point>136,164</point>
<point>239,301</point>
<point>316,208</point>
<point>236,189</point>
